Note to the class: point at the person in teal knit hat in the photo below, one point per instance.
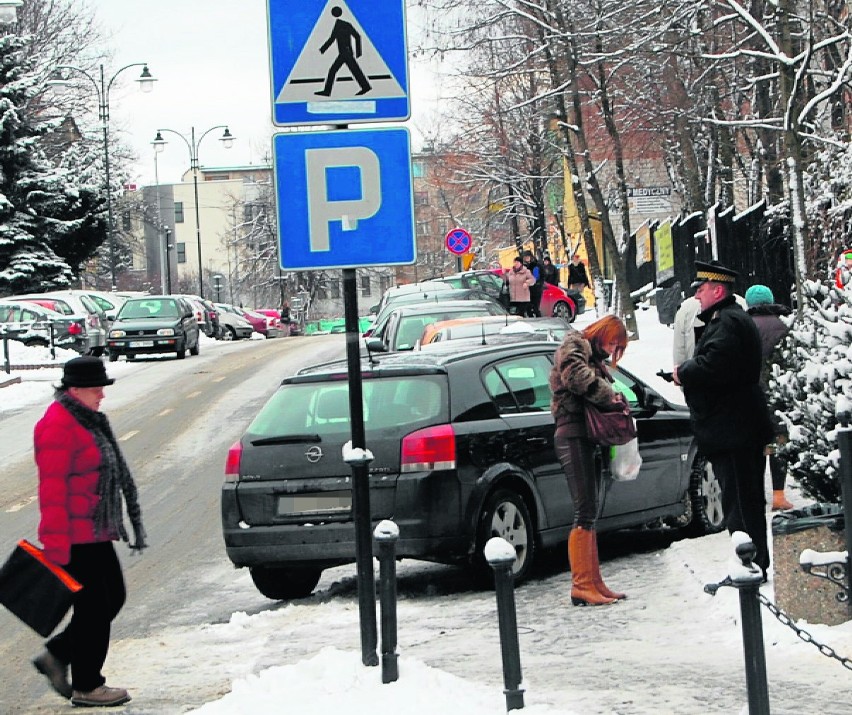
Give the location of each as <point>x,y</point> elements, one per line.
<point>767,315</point>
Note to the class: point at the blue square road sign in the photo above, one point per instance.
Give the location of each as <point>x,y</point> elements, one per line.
<point>345,198</point>
<point>338,61</point>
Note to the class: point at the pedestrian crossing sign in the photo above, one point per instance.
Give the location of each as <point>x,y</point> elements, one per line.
<point>338,61</point>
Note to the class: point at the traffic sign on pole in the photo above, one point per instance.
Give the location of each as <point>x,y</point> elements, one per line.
<point>345,199</point>
<point>338,61</point>
<point>457,241</point>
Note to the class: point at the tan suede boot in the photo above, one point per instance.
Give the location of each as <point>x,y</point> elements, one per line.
<point>603,589</point>
<point>780,501</point>
<point>583,567</point>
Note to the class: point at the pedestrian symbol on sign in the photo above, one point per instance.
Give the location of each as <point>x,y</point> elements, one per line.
<point>339,62</point>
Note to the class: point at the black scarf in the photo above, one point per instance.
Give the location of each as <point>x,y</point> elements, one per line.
<point>114,476</point>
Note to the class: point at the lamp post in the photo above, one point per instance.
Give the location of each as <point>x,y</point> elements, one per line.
<point>102,89</point>
<point>227,140</point>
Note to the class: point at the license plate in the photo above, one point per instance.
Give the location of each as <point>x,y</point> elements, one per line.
<point>317,503</point>
<point>141,344</point>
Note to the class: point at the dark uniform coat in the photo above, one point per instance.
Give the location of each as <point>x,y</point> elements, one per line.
<point>721,382</point>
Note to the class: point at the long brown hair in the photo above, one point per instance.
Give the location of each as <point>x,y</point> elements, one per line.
<point>607,329</point>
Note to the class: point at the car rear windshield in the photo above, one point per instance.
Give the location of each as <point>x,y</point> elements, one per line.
<point>323,408</point>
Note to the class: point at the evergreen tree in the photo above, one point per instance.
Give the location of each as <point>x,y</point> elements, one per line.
<point>47,223</point>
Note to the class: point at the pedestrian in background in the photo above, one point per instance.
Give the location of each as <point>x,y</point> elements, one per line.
<point>82,477</point>
<point>766,314</point>
<point>549,272</point>
<point>578,279</point>
<point>579,374</point>
<point>519,280</point>
<point>531,264</point>
<point>730,418</point>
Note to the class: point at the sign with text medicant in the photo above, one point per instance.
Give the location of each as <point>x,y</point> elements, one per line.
<point>344,198</point>
<point>664,251</point>
<point>338,61</point>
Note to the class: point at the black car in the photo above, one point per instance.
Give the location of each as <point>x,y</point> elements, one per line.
<point>463,450</point>
<point>154,324</point>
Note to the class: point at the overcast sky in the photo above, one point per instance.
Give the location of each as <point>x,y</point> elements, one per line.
<point>210,58</point>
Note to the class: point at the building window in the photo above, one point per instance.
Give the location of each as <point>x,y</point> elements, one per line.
<point>334,288</point>
<point>423,228</point>
<point>421,198</point>
<point>180,249</point>
<point>384,283</point>
<point>217,177</point>
<point>365,286</point>
<point>418,170</point>
<point>178,211</point>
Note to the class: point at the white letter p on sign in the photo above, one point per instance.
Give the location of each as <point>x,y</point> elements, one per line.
<point>323,211</point>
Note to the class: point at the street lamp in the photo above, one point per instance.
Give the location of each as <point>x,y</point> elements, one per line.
<point>227,140</point>
<point>9,10</point>
<point>102,88</point>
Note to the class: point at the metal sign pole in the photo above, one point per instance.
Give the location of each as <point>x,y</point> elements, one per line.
<point>360,479</point>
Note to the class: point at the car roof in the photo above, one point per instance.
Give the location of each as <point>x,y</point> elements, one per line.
<point>444,325</point>
<point>430,307</point>
<point>436,359</point>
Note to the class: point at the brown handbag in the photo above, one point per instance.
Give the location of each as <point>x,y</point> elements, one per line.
<point>609,427</point>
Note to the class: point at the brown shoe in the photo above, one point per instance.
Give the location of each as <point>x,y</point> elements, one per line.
<point>101,697</point>
<point>55,671</point>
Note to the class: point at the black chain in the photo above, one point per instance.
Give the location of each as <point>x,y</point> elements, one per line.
<point>803,634</point>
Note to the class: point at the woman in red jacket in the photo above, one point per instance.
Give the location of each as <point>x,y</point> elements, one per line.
<point>82,477</point>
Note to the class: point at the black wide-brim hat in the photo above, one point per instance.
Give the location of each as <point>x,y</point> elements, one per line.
<point>85,371</point>
<point>713,271</point>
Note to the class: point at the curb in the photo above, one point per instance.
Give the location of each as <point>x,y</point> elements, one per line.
<point>10,381</point>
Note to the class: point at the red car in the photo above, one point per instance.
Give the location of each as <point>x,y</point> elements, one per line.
<point>276,323</point>
<point>555,302</point>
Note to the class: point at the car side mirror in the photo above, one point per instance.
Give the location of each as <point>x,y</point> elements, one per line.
<point>651,403</point>
<point>375,345</point>
<point>110,317</point>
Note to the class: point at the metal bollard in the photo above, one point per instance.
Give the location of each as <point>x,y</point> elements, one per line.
<point>844,442</point>
<point>747,581</point>
<point>386,534</point>
<point>500,555</point>
<point>7,365</point>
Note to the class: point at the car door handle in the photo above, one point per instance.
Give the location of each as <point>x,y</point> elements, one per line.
<point>536,441</point>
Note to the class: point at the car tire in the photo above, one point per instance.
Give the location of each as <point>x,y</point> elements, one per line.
<point>181,354</point>
<point>131,357</point>
<point>505,514</point>
<point>229,333</point>
<point>281,584</point>
<point>563,310</point>
<point>195,350</point>
<point>113,357</point>
<point>705,498</point>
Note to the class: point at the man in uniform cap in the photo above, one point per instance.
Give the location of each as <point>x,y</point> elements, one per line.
<point>729,413</point>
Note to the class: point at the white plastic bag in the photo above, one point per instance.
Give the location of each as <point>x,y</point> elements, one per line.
<point>625,461</point>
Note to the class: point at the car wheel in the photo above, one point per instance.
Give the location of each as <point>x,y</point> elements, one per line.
<point>505,514</point>
<point>285,583</point>
<point>564,310</point>
<point>705,496</point>
<point>97,352</point>
<point>131,357</point>
<point>229,333</point>
<point>113,357</point>
<point>181,354</point>
<point>195,350</point>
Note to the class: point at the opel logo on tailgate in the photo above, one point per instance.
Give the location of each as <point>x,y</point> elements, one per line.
<point>314,454</point>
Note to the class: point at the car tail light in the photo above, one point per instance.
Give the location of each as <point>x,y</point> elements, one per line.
<point>429,449</point>
<point>232,463</point>
<point>75,329</point>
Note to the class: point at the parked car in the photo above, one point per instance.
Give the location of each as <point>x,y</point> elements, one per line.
<point>79,305</point>
<point>202,314</point>
<point>277,324</point>
<point>257,321</point>
<point>460,328</point>
<point>422,297</point>
<point>269,326</point>
<point>462,445</point>
<point>405,325</point>
<point>109,303</point>
<point>154,324</point>
<point>33,325</point>
<point>233,326</point>
<point>394,293</point>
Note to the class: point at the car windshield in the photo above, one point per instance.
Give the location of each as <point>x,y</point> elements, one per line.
<point>149,308</point>
<point>397,403</point>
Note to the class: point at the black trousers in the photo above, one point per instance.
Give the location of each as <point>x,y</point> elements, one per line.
<point>85,641</point>
<point>740,474</point>
<point>535,300</point>
<point>577,457</point>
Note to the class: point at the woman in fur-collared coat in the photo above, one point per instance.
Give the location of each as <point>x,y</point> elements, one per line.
<point>579,374</point>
